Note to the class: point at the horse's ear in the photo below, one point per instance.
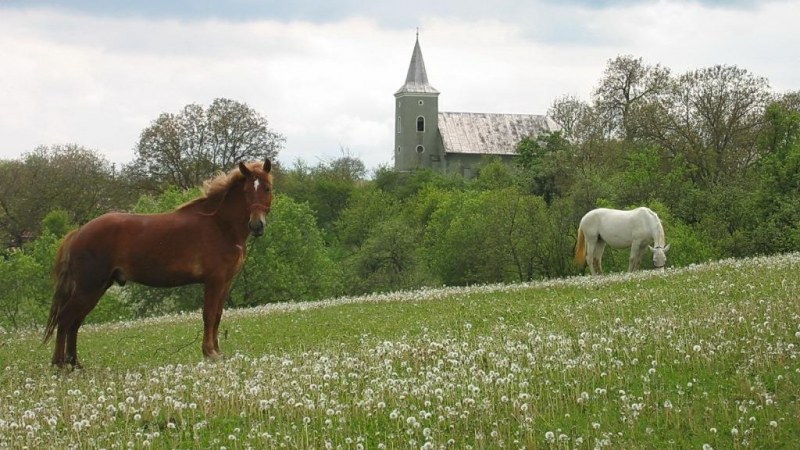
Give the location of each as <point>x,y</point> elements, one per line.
<point>666,248</point>
<point>651,248</point>
<point>245,171</point>
<point>267,165</point>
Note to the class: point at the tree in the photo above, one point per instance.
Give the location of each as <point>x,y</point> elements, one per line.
<point>290,262</point>
<point>326,188</point>
<point>67,177</point>
<point>576,119</point>
<point>712,117</point>
<point>367,208</point>
<point>628,84</point>
<point>187,148</point>
<point>387,260</point>
<point>542,160</point>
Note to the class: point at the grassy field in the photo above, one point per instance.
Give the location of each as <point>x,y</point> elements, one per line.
<point>701,357</point>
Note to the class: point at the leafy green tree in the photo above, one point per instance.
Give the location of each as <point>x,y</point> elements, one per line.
<point>23,279</point>
<point>487,236</point>
<point>184,149</point>
<point>777,196</point>
<point>404,185</point>
<point>367,208</point>
<point>493,173</point>
<point>577,120</point>
<point>27,285</point>
<point>454,240</point>
<point>66,177</point>
<point>387,260</point>
<point>543,162</point>
<point>713,118</point>
<point>326,188</point>
<point>290,262</point>
<point>627,85</point>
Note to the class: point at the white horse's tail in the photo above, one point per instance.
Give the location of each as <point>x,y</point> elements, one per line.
<point>580,248</point>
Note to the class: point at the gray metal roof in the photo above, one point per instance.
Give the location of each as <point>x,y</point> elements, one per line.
<point>489,134</point>
<point>417,78</point>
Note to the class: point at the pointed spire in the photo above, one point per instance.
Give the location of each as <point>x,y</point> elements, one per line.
<point>417,78</point>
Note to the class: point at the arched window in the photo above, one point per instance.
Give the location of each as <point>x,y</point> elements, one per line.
<point>420,149</point>
<point>420,123</point>
<point>398,124</point>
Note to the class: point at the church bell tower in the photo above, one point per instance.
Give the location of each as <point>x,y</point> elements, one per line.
<point>416,141</point>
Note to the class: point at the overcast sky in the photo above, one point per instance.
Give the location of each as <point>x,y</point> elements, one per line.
<point>97,73</point>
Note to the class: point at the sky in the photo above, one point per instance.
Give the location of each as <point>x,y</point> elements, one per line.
<point>97,73</point>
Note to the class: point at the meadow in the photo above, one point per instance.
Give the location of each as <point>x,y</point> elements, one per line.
<point>699,357</point>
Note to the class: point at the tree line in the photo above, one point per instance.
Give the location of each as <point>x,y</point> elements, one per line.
<point>713,151</point>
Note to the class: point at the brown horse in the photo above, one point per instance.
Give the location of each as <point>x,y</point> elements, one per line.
<point>203,241</point>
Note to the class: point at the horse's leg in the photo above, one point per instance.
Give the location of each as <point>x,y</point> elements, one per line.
<point>636,256</point>
<point>221,306</point>
<point>215,293</point>
<point>61,345</point>
<point>83,305</point>
<point>598,251</point>
<point>639,256</point>
<point>591,242</point>
<point>72,343</point>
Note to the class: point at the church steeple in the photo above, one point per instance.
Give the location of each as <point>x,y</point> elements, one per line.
<point>417,78</point>
<point>417,143</point>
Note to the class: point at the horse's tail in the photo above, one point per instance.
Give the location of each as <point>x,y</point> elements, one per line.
<point>580,248</point>
<point>65,284</point>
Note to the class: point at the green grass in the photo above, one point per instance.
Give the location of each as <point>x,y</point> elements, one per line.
<point>698,356</point>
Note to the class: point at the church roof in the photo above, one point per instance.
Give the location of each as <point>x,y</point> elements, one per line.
<point>417,78</point>
<point>489,134</point>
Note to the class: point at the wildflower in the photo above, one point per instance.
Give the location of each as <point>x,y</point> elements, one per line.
<point>773,424</point>
<point>550,436</point>
<point>707,447</point>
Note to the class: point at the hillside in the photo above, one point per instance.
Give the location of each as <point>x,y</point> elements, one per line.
<point>699,357</point>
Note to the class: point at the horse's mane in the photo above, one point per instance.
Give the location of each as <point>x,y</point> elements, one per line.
<point>215,189</point>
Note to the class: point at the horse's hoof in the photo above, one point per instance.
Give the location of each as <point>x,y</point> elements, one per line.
<point>215,357</point>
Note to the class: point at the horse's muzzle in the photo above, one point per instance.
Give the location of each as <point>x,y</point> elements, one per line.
<point>257,227</point>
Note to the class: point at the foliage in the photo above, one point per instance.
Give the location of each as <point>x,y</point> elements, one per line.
<point>711,150</point>
<point>290,262</point>
<point>386,260</point>
<point>55,178</point>
<point>25,276</point>
<point>326,188</point>
<point>184,149</point>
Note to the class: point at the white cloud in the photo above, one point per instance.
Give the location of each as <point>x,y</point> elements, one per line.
<point>99,81</point>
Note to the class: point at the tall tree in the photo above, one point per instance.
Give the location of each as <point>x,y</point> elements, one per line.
<point>627,84</point>
<point>67,177</point>
<point>712,117</point>
<point>575,118</point>
<point>186,148</point>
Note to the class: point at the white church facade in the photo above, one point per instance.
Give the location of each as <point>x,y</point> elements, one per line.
<point>452,141</point>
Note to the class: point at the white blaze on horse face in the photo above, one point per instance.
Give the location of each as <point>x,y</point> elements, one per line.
<point>256,184</point>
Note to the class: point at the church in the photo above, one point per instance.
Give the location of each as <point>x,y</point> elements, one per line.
<point>452,141</point>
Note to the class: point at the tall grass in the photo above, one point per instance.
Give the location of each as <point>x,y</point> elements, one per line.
<point>701,357</point>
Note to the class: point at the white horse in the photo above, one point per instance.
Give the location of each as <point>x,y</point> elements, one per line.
<point>638,229</point>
